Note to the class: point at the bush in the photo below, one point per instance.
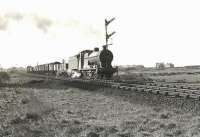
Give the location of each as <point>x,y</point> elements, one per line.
<point>33,116</point>
<point>133,78</point>
<point>4,76</point>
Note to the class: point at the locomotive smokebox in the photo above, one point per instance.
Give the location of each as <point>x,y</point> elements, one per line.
<point>106,57</point>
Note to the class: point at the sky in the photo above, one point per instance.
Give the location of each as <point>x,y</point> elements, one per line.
<point>147,31</point>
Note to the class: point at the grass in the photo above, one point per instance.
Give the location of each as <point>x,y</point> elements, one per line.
<point>115,115</point>
<point>59,110</point>
<point>4,76</point>
<point>179,75</point>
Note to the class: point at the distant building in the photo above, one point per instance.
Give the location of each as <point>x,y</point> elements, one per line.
<point>169,65</point>
<point>13,69</point>
<point>162,65</point>
<point>193,67</point>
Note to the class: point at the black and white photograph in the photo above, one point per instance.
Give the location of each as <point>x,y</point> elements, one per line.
<point>99,68</point>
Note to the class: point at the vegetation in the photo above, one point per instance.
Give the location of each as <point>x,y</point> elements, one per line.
<point>4,76</point>
<point>132,78</point>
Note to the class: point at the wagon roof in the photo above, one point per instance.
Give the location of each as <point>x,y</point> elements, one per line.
<point>87,51</point>
<point>56,62</point>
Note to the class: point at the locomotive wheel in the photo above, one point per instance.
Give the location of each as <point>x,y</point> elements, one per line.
<point>108,76</point>
<point>90,74</point>
<point>101,76</point>
<point>84,74</point>
<point>95,76</point>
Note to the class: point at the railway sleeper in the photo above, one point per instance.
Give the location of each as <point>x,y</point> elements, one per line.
<point>184,90</point>
<point>167,85</point>
<point>152,84</point>
<point>133,88</point>
<point>155,91</point>
<point>195,91</point>
<point>195,88</point>
<point>122,87</point>
<point>170,86</point>
<point>163,88</point>
<point>161,84</point>
<point>134,85</point>
<point>194,96</point>
<point>182,86</point>
<point>148,90</point>
<point>188,87</point>
<point>173,86</point>
<point>149,84</point>
<point>173,93</point>
<point>115,86</point>
<point>140,86</point>
<point>184,95</point>
<point>152,91</point>
<point>140,89</point>
<point>164,92</point>
<point>187,91</point>
<point>127,88</point>
<point>152,87</point>
<point>172,89</point>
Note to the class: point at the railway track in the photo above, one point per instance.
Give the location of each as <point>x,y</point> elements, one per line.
<point>166,89</point>
<point>183,90</point>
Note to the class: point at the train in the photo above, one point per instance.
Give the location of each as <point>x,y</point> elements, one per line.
<point>92,64</point>
<point>50,68</point>
<point>89,64</point>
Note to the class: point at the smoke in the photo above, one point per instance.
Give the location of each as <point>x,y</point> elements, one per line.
<point>90,31</point>
<point>3,23</point>
<point>43,23</point>
<point>6,18</point>
<point>14,16</point>
<point>75,74</point>
<point>85,29</point>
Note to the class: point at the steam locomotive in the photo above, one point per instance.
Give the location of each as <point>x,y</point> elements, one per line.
<point>96,64</point>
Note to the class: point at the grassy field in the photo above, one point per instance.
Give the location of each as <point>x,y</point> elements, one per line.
<point>179,75</point>
<point>53,109</point>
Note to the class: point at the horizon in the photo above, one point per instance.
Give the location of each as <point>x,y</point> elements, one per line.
<point>129,65</point>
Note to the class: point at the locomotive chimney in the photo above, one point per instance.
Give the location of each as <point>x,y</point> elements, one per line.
<point>96,49</point>
<point>104,47</point>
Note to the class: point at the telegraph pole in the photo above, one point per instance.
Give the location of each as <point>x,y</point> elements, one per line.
<point>107,22</point>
